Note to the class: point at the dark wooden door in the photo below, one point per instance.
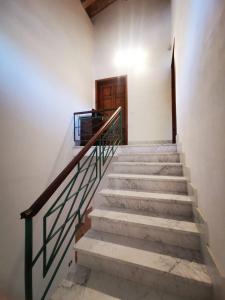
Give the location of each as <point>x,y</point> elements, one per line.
<point>110,94</point>
<point>173,87</point>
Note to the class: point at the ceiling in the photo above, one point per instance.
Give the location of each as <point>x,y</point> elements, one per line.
<point>93,7</point>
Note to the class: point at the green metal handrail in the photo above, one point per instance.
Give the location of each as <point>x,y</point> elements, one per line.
<point>68,198</point>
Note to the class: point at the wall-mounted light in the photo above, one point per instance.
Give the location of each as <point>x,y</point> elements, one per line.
<point>134,59</point>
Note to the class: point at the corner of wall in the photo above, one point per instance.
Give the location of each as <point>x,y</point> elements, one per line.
<point>217,276</point>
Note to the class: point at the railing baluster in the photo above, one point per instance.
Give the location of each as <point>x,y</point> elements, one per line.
<point>100,158</point>
<point>67,221</point>
<point>121,127</point>
<point>28,258</point>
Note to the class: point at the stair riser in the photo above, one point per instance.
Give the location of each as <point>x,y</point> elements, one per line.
<point>149,158</point>
<point>148,170</point>
<point>152,206</point>
<point>148,149</point>
<point>149,185</point>
<point>158,280</point>
<point>151,233</point>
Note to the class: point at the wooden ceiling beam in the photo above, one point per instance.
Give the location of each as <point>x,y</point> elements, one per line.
<point>87,3</point>
<point>98,6</point>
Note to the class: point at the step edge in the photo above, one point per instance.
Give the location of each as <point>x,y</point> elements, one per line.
<point>170,164</point>
<point>150,145</point>
<point>147,196</point>
<point>148,153</point>
<point>147,177</point>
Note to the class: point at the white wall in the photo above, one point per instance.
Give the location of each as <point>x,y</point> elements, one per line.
<point>199,30</point>
<point>126,26</point>
<point>45,75</point>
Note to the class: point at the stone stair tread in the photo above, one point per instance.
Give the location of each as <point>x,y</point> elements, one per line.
<point>146,260</point>
<point>181,199</point>
<point>148,156</point>
<point>147,177</point>
<point>148,153</point>
<point>143,220</point>
<point>150,145</point>
<point>147,245</point>
<point>134,163</point>
<point>97,285</point>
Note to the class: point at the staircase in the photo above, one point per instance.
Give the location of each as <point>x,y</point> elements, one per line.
<point>144,230</point>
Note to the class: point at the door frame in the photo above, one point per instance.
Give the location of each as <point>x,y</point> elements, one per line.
<point>173,96</point>
<point>126,100</point>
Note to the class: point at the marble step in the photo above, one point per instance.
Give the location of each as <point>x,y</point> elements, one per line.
<point>148,168</point>
<point>161,204</point>
<point>148,183</point>
<point>148,148</point>
<point>143,244</point>
<point>168,231</point>
<point>161,272</point>
<point>86,284</point>
<point>149,157</point>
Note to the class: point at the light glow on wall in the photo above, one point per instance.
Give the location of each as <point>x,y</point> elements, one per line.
<point>133,58</point>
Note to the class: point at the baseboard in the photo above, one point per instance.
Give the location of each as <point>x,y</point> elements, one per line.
<point>217,276</point>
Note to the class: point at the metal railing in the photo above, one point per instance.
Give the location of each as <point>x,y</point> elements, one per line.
<point>62,206</point>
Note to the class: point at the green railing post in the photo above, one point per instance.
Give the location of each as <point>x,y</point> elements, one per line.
<point>100,159</point>
<point>28,258</point>
<point>121,127</point>
<point>79,217</point>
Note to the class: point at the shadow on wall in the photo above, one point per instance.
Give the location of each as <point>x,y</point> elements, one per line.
<point>65,155</point>
<point>35,146</point>
<point>42,82</point>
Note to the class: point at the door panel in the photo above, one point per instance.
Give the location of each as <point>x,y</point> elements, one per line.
<point>110,94</point>
<point>107,91</point>
<point>173,86</point>
<point>119,102</point>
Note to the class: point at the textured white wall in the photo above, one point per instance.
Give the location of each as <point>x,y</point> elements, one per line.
<point>127,26</point>
<point>199,30</point>
<point>45,75</point>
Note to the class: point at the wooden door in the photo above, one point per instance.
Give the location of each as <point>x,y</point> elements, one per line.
<point>173,87</point>
<point>110,94</point>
